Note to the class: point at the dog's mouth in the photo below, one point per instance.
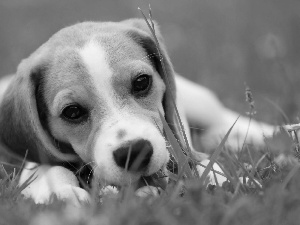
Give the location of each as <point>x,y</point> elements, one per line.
<point>158,179</point>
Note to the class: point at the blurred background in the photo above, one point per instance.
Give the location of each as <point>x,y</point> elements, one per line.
<point>221,44</point>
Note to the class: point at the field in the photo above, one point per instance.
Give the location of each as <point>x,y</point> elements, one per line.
<point>225,45</point>
<point>267,193</point>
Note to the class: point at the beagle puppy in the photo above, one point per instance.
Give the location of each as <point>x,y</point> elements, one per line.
<point>91,96</point>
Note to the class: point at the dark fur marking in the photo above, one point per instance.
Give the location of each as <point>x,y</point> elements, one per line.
<point>150,48</point>
<point>38,79</point>
<point>85,174</point>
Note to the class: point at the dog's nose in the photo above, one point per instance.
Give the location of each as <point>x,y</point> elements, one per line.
<point>134,156</point>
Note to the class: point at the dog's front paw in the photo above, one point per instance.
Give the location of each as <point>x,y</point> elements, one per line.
<point>74,195</point>
<point>68,193</point>
<point>49,181</point>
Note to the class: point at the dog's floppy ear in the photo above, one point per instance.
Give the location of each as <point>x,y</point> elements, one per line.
<point>20,127</point>
<point>143,36</point>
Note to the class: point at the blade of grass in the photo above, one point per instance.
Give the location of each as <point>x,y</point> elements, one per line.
<point>6,179</point>
<point>166,75</point>
<point>216,154</point>
<point>9,164</point>
<point>227,173</point>
<point>23,163</point>
<point>26,183</point>
<point>173,153</point>
<point>260,160</point>
<point>233,161</point>
<point>280,110</point>
<point>290,176</point>
<point>173,176</point>
<point>249,175</point>
<point>4,170</point>
<point>152,30</point>
<point>176,147</point>
<point>128,158</point>
<point>240,165</point>
<point>217,172</point>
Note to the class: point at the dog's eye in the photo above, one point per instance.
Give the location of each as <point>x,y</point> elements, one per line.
<point>74,113</point>
<point>141,85</point>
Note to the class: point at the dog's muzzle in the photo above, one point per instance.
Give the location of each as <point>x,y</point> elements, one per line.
<point>134,156</point>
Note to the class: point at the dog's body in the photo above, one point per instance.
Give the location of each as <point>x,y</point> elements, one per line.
<point>93,93</point>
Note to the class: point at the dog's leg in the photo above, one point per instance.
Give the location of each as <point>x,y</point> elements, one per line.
<point>52,180</point>
<point>181,98</point>
<point>203,109</point>
<point>183,117</point>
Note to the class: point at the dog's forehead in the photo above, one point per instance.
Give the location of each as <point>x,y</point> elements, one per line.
<point>110,56</point>
<point>96,56</point>
<point>95,60</point>
<point>66,70</point>
<point>120,47</point>
<point>115,38</point>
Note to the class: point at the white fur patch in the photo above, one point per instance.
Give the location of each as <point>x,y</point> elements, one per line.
<point>121,118</point>
<point>95,60</point>
<point>94,57</point>
<point>108,142</point>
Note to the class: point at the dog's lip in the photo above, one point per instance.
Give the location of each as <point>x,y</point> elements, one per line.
<point>158,179</point>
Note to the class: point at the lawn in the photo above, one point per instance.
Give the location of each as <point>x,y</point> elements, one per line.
<point>185,200</point>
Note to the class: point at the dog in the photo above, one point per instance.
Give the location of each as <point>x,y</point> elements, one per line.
<point>92,94</point>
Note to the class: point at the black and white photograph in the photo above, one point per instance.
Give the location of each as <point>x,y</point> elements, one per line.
<point>147,112</point>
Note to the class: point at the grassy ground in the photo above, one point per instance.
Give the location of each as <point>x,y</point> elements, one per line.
<point>186,200</point>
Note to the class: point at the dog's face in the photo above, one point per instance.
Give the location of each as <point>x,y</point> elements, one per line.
<point>103,99</point>
<point>98,90</point>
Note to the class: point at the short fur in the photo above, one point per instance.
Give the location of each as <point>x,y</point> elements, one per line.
<point>66,69</point>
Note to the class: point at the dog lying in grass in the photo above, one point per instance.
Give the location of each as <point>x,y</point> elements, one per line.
<point>91,95</point>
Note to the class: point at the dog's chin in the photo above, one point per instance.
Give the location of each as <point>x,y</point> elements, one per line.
<point>158,179</point>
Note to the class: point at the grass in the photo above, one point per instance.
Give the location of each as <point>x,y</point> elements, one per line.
<point>185,200</point>
<point>188,198</point>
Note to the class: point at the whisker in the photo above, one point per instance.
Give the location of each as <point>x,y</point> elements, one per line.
<point>194,128</point>
<point>92,170</point>
<point>83,167</point>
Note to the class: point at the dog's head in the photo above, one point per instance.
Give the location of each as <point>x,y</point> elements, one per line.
<point>95,89</point>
